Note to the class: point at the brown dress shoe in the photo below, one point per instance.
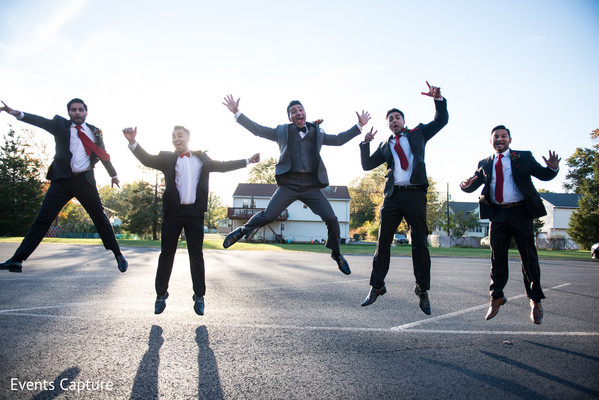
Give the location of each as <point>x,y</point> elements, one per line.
<point>536,312</point>
<point>494,306</point>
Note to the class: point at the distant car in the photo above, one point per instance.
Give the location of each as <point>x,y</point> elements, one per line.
<point>485,241</point>
<point>401,239</point>
<point>595,251</point>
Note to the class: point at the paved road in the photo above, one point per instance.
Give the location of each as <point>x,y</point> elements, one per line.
<point>289,326</point>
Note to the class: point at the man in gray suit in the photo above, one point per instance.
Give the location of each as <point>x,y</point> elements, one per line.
<point>300,172</point>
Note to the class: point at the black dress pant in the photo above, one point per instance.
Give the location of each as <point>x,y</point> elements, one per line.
<point>516,222</point>
<point>411,205</point>
<point>60,192</point>
<point>185,217</point>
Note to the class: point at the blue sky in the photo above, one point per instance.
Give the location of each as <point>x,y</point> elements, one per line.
<point>531,65</point>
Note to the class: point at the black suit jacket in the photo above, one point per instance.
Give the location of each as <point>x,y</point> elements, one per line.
<point>417,138</point>
<point>280,135</point>
<point>524,166</point>
<point>166,161</point>
<point>61,164</point>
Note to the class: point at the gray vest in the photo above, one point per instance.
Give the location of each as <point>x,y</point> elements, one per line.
<point>302,151</point>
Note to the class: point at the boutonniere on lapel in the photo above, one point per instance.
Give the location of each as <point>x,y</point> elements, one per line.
<point>318,122</point>
<point>98,133</point>
<point>514,156</point>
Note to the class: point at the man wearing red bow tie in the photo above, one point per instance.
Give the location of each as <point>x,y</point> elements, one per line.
<point>184,202</point>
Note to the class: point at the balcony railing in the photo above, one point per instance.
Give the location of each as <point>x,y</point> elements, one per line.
<point>247,213</point>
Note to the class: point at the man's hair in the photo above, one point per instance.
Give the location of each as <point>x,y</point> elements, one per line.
<point>501,127</point>
<point>293,103</point>
<point>76,100</point>
<point>392,111</point>
<point>184,129</point>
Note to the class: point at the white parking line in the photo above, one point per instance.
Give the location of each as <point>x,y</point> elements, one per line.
<point>406,328</point>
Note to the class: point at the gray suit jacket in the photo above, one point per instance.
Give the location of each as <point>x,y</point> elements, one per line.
<point>280,135</point>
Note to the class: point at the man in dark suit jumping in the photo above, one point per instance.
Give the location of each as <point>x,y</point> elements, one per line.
<point>405,195</point>
<point>184,202</point>
<point>511,203</point>
<point>300,171</point>
<point>79,146</point>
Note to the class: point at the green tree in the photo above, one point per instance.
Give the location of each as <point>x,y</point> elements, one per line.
<point>21,185</point>
<point>139,209</point>
<point>263,172</point>
<point>584,222</point>
<point>366,193</point>
<point>74,219</point>
<point>215,212</point>
<point>460,222</point>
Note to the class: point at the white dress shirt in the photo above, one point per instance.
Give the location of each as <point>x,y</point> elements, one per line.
<point>511,193</point>
<point>80,161</point>
<point>187,176</point>
<point>401,176</point>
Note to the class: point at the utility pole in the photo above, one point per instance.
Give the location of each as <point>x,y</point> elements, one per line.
<point>447,207</point>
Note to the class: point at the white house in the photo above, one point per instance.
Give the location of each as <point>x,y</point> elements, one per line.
<point>296,224</point>
<point>559,208</point>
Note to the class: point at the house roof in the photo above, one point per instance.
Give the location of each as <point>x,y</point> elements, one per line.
<point>464,206</point>
<point>566,200</point>
<point>268,189</point>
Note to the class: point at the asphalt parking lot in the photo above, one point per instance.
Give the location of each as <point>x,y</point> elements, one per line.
<point>282,325</point>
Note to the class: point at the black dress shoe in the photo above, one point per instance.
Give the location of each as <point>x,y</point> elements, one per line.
<point>373,294</point>
<point>160,304</point>
<point>122,264</point>
<point>12,265</point>
<point>198,306</point>
<point>233,237</point>
<point>424,303</point>
<point>342,263</point>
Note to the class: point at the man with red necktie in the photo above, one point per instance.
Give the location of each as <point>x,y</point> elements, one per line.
<point>184,202</point>
<point>79,146</point>
<point>405,195</point>
<point>510,201</point>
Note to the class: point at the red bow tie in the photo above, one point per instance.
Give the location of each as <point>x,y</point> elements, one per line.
<point>186,154</point>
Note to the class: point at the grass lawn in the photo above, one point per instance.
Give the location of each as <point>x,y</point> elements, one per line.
<point>214,242</point>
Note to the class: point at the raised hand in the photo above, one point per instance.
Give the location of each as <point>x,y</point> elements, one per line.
<point>465,184</point>
<point>433,91</point>
<point>130,134</point>
<point>231,103</point>
<point>369,136</point>
<point>553,161</point>
<point>9,110</point>
<point>363,118</point>
<point>255,158</point>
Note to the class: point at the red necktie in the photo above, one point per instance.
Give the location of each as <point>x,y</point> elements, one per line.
<point>90,146</point>
<point>403,160</point>
<point>186,154</point>
<point>499,180</point>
